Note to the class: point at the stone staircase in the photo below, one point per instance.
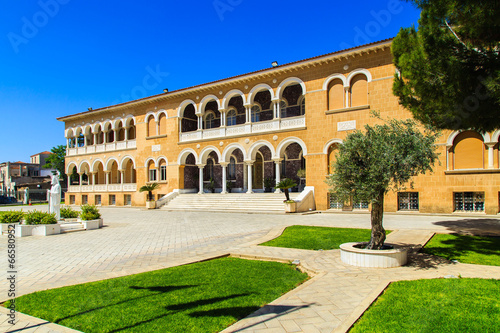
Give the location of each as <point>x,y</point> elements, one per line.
<point>231,202</point>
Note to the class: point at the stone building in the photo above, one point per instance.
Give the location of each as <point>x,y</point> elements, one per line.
<point>268,124</point>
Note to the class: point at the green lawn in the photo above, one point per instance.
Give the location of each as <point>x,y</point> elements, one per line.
<point>438,305</point>
<point>316,238</point>
<point>466,249</point>
<point>201,297</point>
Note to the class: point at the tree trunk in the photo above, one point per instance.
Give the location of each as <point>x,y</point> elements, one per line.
<point>378,231</point>
<point>286,194</point>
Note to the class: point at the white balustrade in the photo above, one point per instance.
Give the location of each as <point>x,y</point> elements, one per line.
<point>114,187</point>
<point>101,148</point>
<point>129,187</point>
<point>87,188</point>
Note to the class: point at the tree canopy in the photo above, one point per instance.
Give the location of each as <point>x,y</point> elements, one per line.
<point>57,160</point>
<point>449,69</point>
<point>382,158</point>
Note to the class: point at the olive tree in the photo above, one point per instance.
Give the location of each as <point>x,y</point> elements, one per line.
<point>382,158</point>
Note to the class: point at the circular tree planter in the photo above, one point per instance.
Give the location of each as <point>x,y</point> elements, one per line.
<point>353,255</point>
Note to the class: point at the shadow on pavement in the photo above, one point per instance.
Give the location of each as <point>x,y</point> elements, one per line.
<point>478,227</point>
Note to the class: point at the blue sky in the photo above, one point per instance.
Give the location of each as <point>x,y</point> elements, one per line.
<point>59,57</point>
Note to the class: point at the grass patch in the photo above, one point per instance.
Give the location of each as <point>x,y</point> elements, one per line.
<point>438,305</point>
<point>201,297</point>
<point>316,238</point>
<point>467,249</point>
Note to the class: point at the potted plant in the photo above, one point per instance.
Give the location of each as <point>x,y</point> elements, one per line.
<point>301,173</point>
<point>211,185</point>
<point>38,224</point>
<point>10,218</point>
<point>229,186</point>
<point>150,201</point>
<point>286,184</point>
<point>269,183</point>
<point>90,216</point>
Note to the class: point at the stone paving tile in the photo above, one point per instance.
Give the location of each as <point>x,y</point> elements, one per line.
<point>135,241</point>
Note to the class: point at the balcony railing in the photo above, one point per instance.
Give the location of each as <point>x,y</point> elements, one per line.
<point>293,123</point>
<point>120,145</point>
<point>102,188</point>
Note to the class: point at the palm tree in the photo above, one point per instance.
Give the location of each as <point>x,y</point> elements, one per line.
<point>286,184</point>
<point>149,188</point>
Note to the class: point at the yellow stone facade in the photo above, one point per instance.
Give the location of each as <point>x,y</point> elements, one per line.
<point>340,90</point>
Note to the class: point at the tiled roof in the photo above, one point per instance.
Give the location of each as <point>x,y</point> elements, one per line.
<point>227,79</point>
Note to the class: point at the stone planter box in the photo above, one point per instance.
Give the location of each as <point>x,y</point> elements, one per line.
<point>5,227</point>
<point>373,258</point>
<point>150,204</point>
<point>290,207</point>
<point>92,224</point>
<point>37,230</point>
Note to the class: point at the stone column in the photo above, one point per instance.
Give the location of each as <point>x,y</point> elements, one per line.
<point>93,178</point>
<point>347,102</point>
<point>277,162</point>
<point>200,178</point>
<point>222,117</point>
<point>200,122</point>
<point>126,133</point>
<point>107,173</point>
<point>81,178</point>
<point>248,114</point>
<point>490,146</point>
<point>249,172</point>
<point>278,109</point>
<point>245,178</point>
<point>224,177</point>
<point>105,137</point>
<point>96,139</point>
<point>67,143</point>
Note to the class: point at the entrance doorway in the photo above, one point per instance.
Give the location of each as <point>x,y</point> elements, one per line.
<point>258,172</point>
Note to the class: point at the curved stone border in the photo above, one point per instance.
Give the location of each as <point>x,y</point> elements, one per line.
<point>373,258</point>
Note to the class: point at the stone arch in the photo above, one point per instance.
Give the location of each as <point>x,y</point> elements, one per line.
<point>159,159</point>
<point>332,77</point>
<point>122,163</point>
<point>359,71</point>
<point>148,160</point>
<point>180,109</point>
<point>486,137</point>
<point>495,136</point>
<point>205,152</point>
<point>95,163</point>
<point>290,81</point>
<point>184,154</point>
<point>226,155</point>
<point>331,142</point>
<point>80,166</point>
<point>70,167</point>
<point>150,114</point>
<point>116,123</point>
<point>280,150</point>
<point>128,119</point>
<point>258,88</point>
<point>206,100</point>
<point>231,94</point>
<point>252,152</point>
<point>109,162</point>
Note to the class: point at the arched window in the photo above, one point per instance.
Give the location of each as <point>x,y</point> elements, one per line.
<point>231,169</point>
<point>163,171</point>
<point>336,95</point>
<point>231,117</point>
<point>283,106</point>
<point>151,171</point>
<point>469,151</point>
<point>111,136</point>
<point>302,105</point>
<point>151,126</point>
<point>256,110</point>
<point>210,120</point>
<point>81,140</point>
<point>131,131</point>
<point>359,90</point>
<point>332,152</point>
<point>162,124</point>
<point>208,170</point>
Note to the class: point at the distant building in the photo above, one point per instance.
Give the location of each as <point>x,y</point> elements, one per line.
<point>20,174</point>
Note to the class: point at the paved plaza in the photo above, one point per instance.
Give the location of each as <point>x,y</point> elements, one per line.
<point>135,240</point>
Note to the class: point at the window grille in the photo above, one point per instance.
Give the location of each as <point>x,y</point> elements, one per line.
<point>408,201</point>
<point>469,201</point>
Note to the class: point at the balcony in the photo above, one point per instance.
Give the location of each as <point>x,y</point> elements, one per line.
<point>275,125</point>
<point>102,188</point>
<point>101,148</point>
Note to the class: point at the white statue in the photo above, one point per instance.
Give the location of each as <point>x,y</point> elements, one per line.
<point>54,196</point>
